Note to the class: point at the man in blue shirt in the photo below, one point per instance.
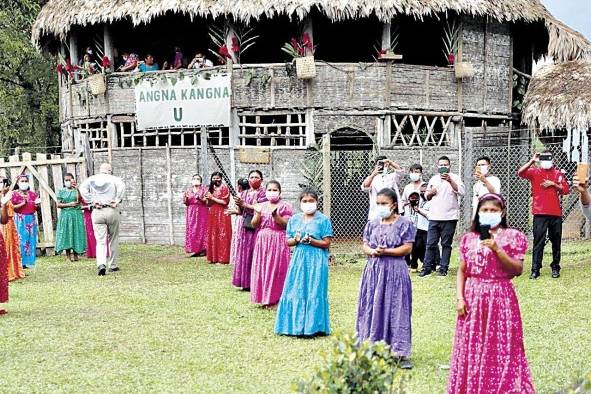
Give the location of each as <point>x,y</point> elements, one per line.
<point>148,64</point>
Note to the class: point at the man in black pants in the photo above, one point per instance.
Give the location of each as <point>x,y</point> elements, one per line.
<point>548,185</point>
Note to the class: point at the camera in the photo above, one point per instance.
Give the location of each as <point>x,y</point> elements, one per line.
<point>414,203</point>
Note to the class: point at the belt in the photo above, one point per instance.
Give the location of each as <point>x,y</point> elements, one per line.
<point>101,206</point>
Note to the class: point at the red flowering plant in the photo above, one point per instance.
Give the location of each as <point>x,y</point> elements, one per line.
<point>394,40</point>
<point>66,68</point>
<point>230,42</point>
<point>299,47</point>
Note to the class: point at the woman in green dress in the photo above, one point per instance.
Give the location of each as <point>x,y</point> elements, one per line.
<point>71,234</point>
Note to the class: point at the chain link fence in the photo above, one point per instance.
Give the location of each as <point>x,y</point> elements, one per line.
<point>348,204</point>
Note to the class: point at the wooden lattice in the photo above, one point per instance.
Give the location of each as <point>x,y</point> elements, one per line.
<point>421,130</point>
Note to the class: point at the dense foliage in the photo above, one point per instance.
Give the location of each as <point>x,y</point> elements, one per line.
<point>28,83</point>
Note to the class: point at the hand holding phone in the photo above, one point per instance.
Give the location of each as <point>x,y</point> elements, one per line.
<point>484,232</point>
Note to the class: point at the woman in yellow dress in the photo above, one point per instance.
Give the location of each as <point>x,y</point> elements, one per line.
<point>11,240</point>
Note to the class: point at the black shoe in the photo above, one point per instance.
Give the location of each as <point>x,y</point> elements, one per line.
<point>424,273</point>
<point>102,270</point>
<point>555,273</point>
<point>442,273</point>
<point>534,275</point>
<point>114,269</point>
<point>404,363</point>
<point>25,267</point>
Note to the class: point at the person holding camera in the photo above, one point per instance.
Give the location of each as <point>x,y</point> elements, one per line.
<point>444,191</point>
<point>485,182</point>
<point>488,350</point>
<point>417,211</point>
<point>548,185</point>
<point>386,174</point>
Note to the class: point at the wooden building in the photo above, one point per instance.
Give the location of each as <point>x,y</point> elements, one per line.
<point>412,108</point>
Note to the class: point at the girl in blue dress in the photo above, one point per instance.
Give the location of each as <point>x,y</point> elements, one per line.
<point>303,308</point>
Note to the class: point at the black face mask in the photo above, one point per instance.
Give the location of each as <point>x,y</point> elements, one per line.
<point>217,183</point>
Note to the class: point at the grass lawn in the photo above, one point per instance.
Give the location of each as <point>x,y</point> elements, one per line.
<point>166,323</point>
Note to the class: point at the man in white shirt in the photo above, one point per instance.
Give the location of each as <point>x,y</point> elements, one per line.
<point>386,174</point>
<point>444,191</point>
<point>485,182</point>
<point>104,193</point>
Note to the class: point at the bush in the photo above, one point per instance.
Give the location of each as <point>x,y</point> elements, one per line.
<point>351,366</point>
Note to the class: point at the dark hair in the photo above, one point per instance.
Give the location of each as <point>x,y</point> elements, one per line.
<point>416,167</point>
<point>444,158</point>
<point>486,158</point>
<point>391,194</point>
<point>200,177</point>
<point>69,174</point>
<point>308,191</point>
<point>489,198</point>
<point>274,182</point>
<point>243,183</point>
<point>257,171</point>
<point>217,173</point>
<point>381,157</point>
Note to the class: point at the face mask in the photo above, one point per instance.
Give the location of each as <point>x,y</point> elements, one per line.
<point>383,211</point>
<point>308,207</point>
<point>492,219</point>
<point>196,182</point>
<point>484,169</point>
<point>23,185</point>
<point>68,183</point>
<point>217,183</point>
<point>414,176</point>
<point>255,183</point>
<point>546,164</point>
<point>272,196</point>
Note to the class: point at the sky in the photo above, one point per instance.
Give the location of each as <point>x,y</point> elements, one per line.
<point>575,13</point>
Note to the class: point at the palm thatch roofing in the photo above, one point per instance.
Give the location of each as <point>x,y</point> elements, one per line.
<point>58,16</point>
<point>559,96</point>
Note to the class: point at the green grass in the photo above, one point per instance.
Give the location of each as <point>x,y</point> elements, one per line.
<point>166,323</point>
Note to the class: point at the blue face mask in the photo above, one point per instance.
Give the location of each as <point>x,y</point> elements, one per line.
<point>492,219</point>
<point>383,211</point>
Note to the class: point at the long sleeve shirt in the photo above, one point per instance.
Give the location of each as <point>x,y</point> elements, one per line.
<point>379,182</point>
<point>445,205</point>
<point>102,189</point>
<point>546,200</point>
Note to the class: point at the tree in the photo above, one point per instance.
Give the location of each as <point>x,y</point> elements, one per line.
<point>28,83</point>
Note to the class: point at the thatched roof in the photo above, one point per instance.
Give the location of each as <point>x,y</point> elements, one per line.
<point>559,96</point>
<point>58,16</point>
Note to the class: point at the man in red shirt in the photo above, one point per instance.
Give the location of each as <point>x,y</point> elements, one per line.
<point>548,185</point>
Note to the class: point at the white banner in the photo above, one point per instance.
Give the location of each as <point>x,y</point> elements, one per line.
<point>206,102</point>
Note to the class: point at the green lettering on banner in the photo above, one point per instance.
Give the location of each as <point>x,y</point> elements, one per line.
<point>200,93</point>
<point>208,93</point>
<point>226,92</point>
<point>172,95</point>
<point>184,94</point>
<point>149,96</point>
<point>142,98</point>
<point>217,93</point>
<point>178,116</point>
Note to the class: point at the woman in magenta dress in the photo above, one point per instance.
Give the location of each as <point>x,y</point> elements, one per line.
<point>270,257</point>
<point>246,232</point>
<point>90,239</point>
<point>242,185</point>
<point>196,218</point>
<point>488,352</point>
<point>219,225</point>
<point>25,204</point>
<point>3,262</point>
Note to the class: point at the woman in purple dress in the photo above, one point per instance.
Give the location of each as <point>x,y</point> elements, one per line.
<point>270,258</point>
<point>385,296</point>
<point>245,231</point>
<point>196,218</point>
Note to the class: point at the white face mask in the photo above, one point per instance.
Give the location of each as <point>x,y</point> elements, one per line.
<point>383,211</point>
<point>272,196</point>
<point>546,164</point>
<point>414,176</point>
<point>308,207</point>
<point>484,169</point>
<point>68,183</point>
<point>196,182</point>
<point>492,219</point>
<point>23,185</point>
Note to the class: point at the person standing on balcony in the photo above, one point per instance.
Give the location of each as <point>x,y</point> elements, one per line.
<point>485,182</point>
<point>444,191</point>
<point>386,174</point>
<point>548,185</point>
<point>70,232</point>
<point>105,192</point>
<point>130,62</point>
<point>25,202</point>
<point>148,64</point>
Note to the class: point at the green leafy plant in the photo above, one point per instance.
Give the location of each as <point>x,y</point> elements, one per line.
<point>241,39</point>
<point>351,366</point>
<point>451,39</point>
<point>394,41</point>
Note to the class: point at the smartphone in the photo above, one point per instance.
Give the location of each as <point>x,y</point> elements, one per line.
<point>380,166</point>
<point>5,183</point>
<point>443,170</point>
<point>484,232</point>
<point>582,171</point>
<point>545,157</point>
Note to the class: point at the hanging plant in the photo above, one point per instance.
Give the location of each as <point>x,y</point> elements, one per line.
<point>394,41</point>
<point>299,47</point>
<point>240,40</point>
<point>451,39</point>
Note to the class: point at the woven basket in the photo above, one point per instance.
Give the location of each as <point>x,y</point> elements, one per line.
<point>464,70</point>
<point>305,67</point>
<point>97,84</point>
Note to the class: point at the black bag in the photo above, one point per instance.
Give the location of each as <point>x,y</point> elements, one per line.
<point>247,223</point>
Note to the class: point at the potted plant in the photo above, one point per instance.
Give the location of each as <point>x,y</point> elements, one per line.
<point>451,38</point>
<point>302,52</point>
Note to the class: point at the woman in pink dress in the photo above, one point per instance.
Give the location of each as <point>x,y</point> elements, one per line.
<point>488,352</point>
<point>219,225</point>
<point>90,239</point>
<point>270,258</point>
<point>196,218</point>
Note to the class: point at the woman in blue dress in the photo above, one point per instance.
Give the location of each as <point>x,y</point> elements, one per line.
<point>303,308</point>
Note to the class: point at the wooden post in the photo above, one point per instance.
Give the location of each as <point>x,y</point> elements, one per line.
<point>310,136</point>
<point>142,209</point>
<point>74,54</point>
<point>110,136</point>
<point>468,159</point>
<point>386,36</point>
<point>459,82</point>
<point>204,165</point>
<point>108,44</point>
<point>309,29</point>
<point>326,179</point>
<point>2,169</point>
<point>44,194</point>
<point>169,192</point>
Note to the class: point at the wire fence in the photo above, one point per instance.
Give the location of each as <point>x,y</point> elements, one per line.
<point>348,206</point>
